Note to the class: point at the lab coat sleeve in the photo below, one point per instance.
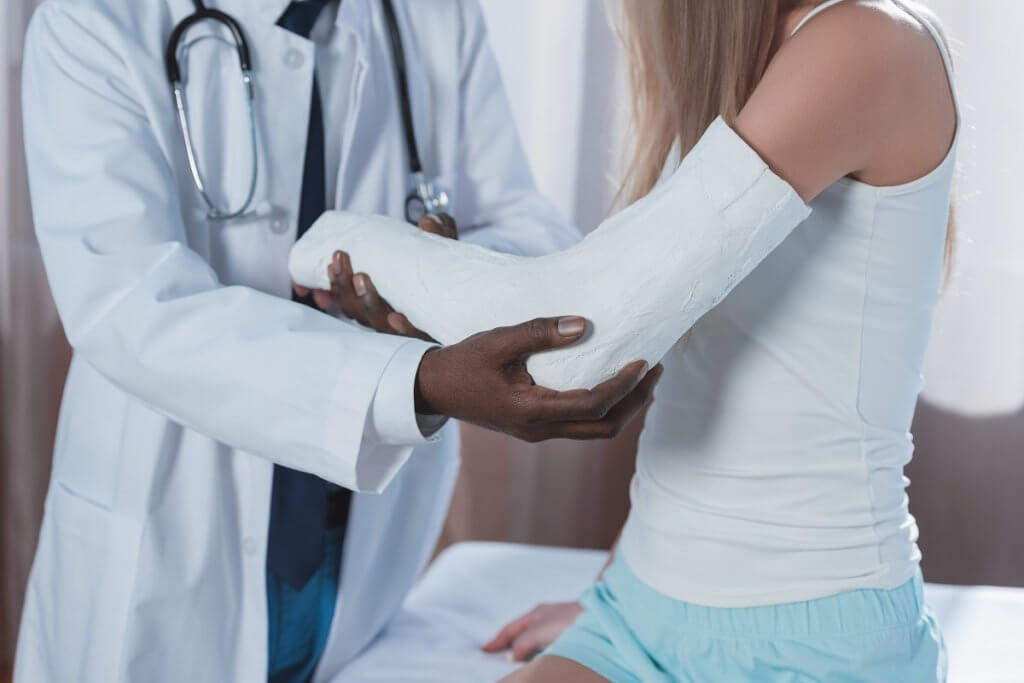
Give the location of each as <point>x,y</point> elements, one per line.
<point>497,204</point>
<point>393,419</point>
<point>254,371</point>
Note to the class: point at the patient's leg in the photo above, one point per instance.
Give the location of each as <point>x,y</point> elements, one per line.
<point>642,278</point>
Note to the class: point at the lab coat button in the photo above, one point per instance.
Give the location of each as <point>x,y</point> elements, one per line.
<point>294,58</point>
<point>279,226</point>
<point>250,546</point>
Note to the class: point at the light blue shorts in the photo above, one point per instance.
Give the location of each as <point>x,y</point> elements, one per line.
<point>631,632</point>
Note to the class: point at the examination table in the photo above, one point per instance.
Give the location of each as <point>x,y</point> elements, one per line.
<point>472,589</point>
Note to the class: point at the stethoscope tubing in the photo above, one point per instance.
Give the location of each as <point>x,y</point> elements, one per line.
<point>204,13</point>
<point>423,191</point>
<point>405,104</point>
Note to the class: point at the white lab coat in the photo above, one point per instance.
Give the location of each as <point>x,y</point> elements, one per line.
<point>193,373</point>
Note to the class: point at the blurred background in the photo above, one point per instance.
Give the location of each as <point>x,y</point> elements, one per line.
<point>566,81</point>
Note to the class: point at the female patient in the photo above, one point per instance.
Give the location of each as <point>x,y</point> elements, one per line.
<point>769,536</point>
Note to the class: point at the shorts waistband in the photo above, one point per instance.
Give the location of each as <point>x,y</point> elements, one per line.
<point>850,613</point>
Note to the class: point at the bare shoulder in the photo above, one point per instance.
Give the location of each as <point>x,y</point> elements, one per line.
<point>862,90</point>
<point>878,39</point>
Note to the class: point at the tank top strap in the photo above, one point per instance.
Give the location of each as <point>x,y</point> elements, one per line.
<point>813,13</point>
<point>935,29</point>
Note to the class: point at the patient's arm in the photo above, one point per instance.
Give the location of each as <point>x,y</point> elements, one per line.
<point>826,107</point>
<point>642,278</point>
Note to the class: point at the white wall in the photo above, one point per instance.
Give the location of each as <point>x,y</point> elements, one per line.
<point>562,68</point>
<point>976,362</point>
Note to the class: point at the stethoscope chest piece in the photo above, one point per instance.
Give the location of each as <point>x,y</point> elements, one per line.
<point>425,197</point>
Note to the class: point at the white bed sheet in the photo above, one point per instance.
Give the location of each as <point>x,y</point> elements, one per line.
<point>472,589</point>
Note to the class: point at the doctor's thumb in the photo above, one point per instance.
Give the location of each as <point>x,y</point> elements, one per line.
<point>541,334</point>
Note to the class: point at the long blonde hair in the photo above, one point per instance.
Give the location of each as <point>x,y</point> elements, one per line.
<point>691,61</point>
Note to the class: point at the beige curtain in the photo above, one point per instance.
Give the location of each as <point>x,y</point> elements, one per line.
<point>33,353</point>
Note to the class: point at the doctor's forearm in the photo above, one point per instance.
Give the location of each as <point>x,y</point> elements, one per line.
<point>252,371</point>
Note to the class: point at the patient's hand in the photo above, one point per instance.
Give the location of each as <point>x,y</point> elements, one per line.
<point>356,296</point>
<point>532,632</point>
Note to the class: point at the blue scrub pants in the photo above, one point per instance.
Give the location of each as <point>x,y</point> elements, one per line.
<point>298,620</point>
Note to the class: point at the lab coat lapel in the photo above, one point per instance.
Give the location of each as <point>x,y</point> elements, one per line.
<point>283,65</point>
<point>251,251</point>
<point>371,177</point>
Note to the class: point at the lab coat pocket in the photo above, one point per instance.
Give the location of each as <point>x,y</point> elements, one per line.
<point>86,574</point>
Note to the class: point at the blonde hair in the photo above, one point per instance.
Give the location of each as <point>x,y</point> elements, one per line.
<point>691,61</point>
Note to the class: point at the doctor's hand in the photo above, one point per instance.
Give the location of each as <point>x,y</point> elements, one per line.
<point>530,633</point>
<point>483,380</point>
<point>358,299</point>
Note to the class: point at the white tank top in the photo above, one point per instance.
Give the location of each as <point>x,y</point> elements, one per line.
<point>770,469</point>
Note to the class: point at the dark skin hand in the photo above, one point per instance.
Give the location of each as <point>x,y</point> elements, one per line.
<point>356,296</point>
<point>483,380</point>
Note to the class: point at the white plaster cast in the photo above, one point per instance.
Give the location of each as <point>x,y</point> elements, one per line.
<point>642,278</point>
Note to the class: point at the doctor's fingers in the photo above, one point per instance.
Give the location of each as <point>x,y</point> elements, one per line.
<point>512,345</point>
<point>378,313</point>
<point>401,325</point>
<point>374,310</point>
<point>321,298</point>
<point>611,424</point>
<point>439,224</point>
<point>593,404</point>
<point>356,296</point>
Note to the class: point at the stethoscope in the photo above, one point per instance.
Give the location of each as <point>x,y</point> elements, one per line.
<point>425,196</point>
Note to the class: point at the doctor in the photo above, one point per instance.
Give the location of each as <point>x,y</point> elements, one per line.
<point>194,521</point>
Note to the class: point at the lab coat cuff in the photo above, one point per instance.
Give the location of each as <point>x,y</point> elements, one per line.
<point>392,415</point>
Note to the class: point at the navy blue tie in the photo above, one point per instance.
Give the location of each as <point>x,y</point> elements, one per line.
<point>300,502</point>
